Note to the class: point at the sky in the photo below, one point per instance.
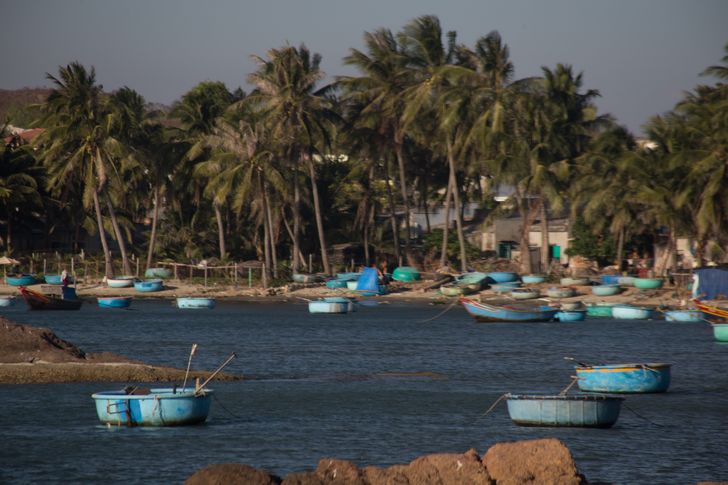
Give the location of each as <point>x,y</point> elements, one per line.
<point>641,55</point>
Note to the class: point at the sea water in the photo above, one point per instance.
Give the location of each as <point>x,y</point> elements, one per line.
<point>380,386</point>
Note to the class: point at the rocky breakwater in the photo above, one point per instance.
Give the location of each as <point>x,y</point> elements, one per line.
<point>543,461</point>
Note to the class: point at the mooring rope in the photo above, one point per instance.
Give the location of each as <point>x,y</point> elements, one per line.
<point>492,406</point>
<point>643,417</point>
<point>224,408</point>
<point>441,313</point>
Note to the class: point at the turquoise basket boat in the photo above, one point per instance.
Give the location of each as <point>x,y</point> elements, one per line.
<point>648,283</point>
<point>629,312</point>
<point>505,287</point>
<point>405,273</point>
<point>114,302</point>
<point>584,411</point>
<point>195,303</point>
<point>571,315</point>
<point>720,332</point>
<point>55,279</point>
<point>502,277</point>
<point>533,279</point>
<point>158,407</point>
<point>560,292</point>
<point>624,378</point>
<point>148,286</point>
<point>21,280</point>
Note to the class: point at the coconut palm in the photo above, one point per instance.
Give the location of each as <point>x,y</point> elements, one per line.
<point>301,119</point>
<point>19,189</point>
<point>76,143</point>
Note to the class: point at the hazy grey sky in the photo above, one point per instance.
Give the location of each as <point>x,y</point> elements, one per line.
<point>640,54</point>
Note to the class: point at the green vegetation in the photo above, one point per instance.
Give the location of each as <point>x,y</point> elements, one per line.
<point>295,166</point>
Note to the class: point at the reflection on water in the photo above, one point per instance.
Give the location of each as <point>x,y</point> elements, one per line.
<point>377,387</point>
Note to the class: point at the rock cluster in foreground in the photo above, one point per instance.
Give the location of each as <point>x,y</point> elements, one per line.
<point>543,461</point>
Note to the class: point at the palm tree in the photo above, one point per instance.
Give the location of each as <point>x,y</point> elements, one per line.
<point>301,119</point>
<point>19,190</point>
<point>77,144</point>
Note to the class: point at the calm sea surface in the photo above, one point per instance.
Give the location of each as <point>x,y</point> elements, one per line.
<point>378,387</point>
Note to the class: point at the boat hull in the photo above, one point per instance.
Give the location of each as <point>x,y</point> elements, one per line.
<point>583,411</point>
<point>605,290</point>
<point>490,313</point>
<point>321,306</point>
<point>571,315</point>
<point>39,301</point>
<point>627,312</point>
<point>684,316</point>
<point>720,332</point>
<point>501,277</point>
<point>23,280</point>
<point>121,282</point>
<point>161,407</point>
<point>7,301</point>
<point>405,274</point>
<point>624,378</point>
<point>148,286</point>
<point>532,279</point>
<point>195,303</point>
<point>114,302</point>
<point>598,310</point>
<point>648,283</point>
<point>524,294</point>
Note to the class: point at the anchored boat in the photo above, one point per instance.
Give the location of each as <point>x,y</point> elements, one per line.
<point>492,313</point>
<point>147,286</point>
<point>114,301</point>
<point>195,303</point>
<point>624,378</point>
<point>120,282</point>
<point>576,410</point>
<point>331,304</point>
<point>153,407</point>
<point>66,299</point>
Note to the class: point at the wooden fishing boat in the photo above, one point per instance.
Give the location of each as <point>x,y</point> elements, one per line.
<point>605,290</point>
<point>491,313</point>
<point>576,410</point>
<point>147,286</point>
<point>114,301</point>
<point>533,279</point>
<point>120,282</point>
<point>560,292</point>
<point>501,277</point>
<point>331,305</point>
<point>21,280</point>
<point>158,273</point>
<point>711,311</point>
<point>195,303</point>
<point>153,407</point>
<point>624,378</point>
<point>631,312</point>
<point>7,301</point>
<point>66,300</point>
<point>648,283</point>
<point>686,316</point>
<point>571,315</point>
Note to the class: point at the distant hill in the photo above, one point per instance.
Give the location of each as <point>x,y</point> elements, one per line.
<point>14,101</point>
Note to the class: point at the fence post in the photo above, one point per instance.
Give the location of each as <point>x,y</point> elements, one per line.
<point>205,276</point>
<point>310,263</point>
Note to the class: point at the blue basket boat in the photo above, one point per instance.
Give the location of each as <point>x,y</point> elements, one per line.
<point>609,279</point>
<point>605,290</point>
<point>720,332</point>
<point>331,305</point>
<point>492,313</point>
<point>154,407</point>
<point>6,301</point>
<point>576,410</point>
<point>147,286</point>
<point>624,378</point>
<point>21,280</point>
<point>502,277</point>
<point>686,316</point>
<point>195,303</point>
<point>533,279</point>
<point>570,315</point>
<point>114,301</point>
<point>120,282</point>
<point>56,279</point>
<point>405,273</point>
<point>630,312</point>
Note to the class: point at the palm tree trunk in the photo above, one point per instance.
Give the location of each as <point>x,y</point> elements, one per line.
<point>527,218</point>
<point>446,228</point>
<point>153,236</point>
<point>405,201</point>
<point>9,239</point>
<point>269,216</point>
<point>393,213</point>
<point>620,249</point>
<point>319,220</point>
<point>297,222</point>
<point>119,236</point>
<point>290,234</point>
<point>266,246</point>
<point>458,207</point>
<point>108,270</point>
<point>545,256</point>
<point>220,230</point>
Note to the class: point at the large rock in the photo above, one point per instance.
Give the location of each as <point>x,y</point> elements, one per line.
<point>232,474</point>
<point>544,461</point>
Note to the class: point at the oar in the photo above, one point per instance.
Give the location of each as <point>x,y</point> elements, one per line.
<point>229,359</point>
<point>574,360</point>
<point>189,362</point>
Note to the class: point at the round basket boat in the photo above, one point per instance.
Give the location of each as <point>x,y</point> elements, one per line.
<point>579,410</point>
<point>629,312</point>
<point>574,281</point>
<point>603,310</point>
<point>505,287</point>
<point>405,273</point>
<point>561,292</point>
<point>605,290</point>
<point>502,276</point>
<point>533,279</point>
<point>609,279</point>
<point>524,293</point>
<point>648,283</point>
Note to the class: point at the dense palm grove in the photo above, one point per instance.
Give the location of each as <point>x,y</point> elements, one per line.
<point>295,166</point>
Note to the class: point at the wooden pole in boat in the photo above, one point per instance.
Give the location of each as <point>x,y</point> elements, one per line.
<point>189,362</point>
<point>229,359</point>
